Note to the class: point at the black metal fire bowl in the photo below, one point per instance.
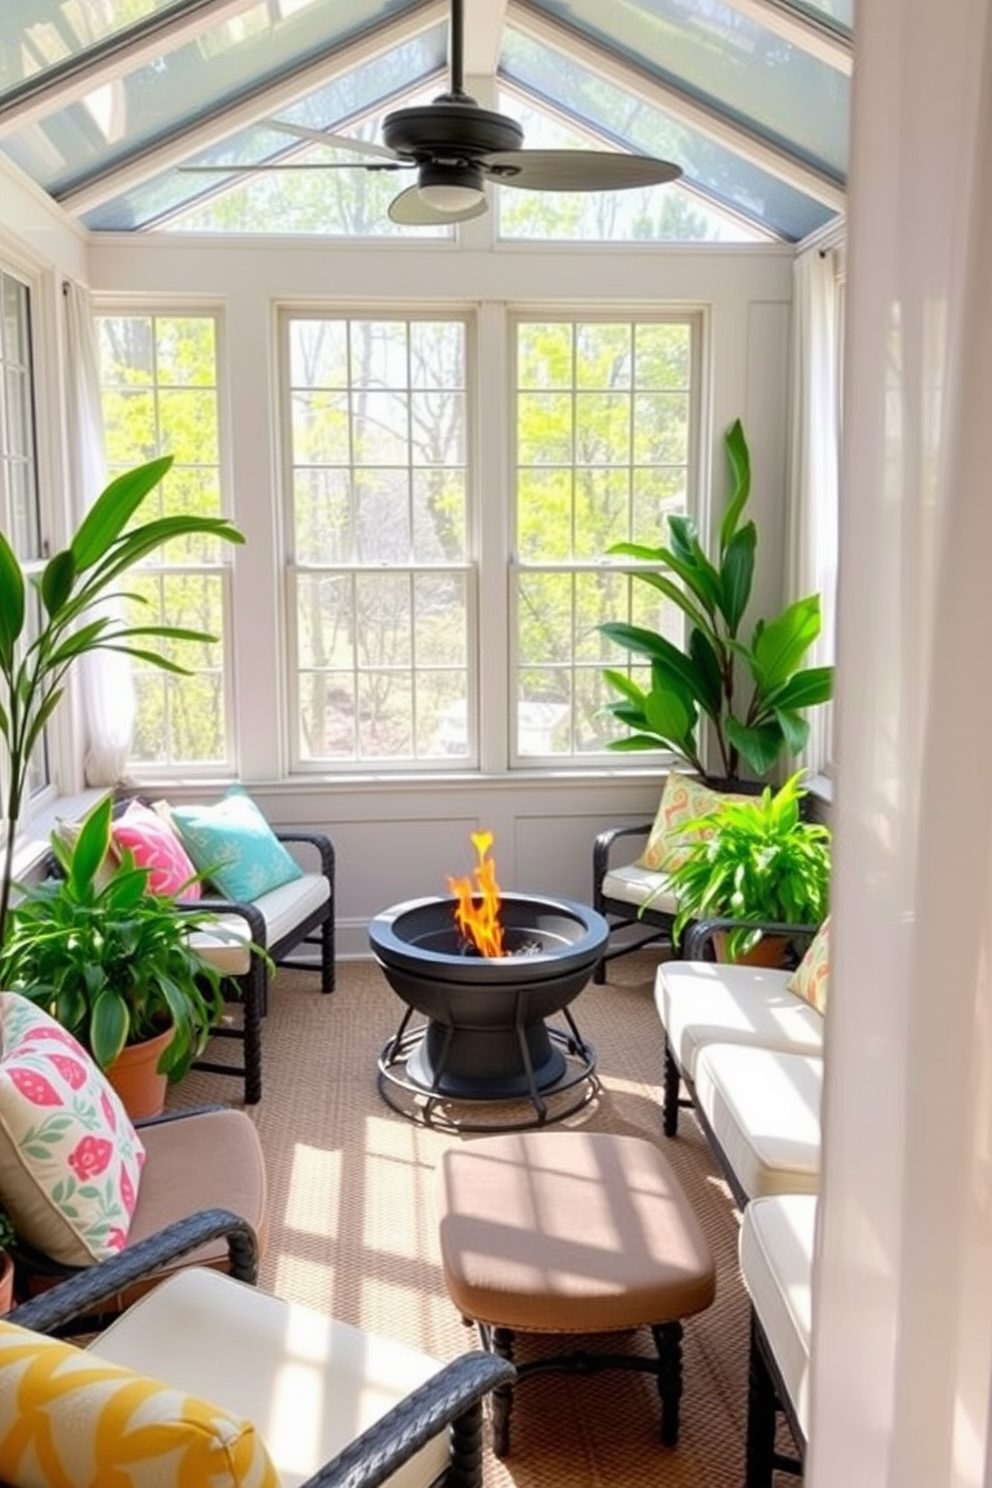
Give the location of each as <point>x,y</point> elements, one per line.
<point>485,1038</point>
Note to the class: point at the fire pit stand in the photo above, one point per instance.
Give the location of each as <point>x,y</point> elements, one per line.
<point>483,1041</point>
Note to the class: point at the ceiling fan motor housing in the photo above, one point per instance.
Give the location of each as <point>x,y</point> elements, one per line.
<point>458,128</point>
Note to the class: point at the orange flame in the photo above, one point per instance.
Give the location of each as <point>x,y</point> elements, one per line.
<point>479,923</point>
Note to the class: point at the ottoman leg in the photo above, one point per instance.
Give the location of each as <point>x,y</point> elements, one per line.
<point>500,1341</point>
<point>668,1341</point>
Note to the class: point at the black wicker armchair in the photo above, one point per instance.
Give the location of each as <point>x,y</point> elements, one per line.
<point>441,1416</point>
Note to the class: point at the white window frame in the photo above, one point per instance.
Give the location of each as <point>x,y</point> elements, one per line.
<point>469,568</point>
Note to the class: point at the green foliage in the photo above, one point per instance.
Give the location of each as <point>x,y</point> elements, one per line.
<point>75,619</point>
<point>109,960</point>
<point>8,1234</point>
<point>759,862</point>
<point>752,723</point>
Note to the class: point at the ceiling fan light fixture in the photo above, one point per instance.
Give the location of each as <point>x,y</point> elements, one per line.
<point>450,188</point>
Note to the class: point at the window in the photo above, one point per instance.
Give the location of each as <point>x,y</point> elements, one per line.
<point>605,414</point>
<point>160,396</point>
<point>19,502</point>
<point>381,584</point>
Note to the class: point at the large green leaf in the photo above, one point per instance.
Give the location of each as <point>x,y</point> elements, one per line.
<point>739,458</point>
<point>91,848</point>
<point>624,684</point>
<point>11,603</point>
<point>57,580</point>
<point>113,509</point>
<point>737,574</point>
<point>110,1022</point>
<point>671,717</point>
<point>780,644</point>
<point>701,578</point>
<point>759,747</point>
<point>795,729</point>
<point>635,744</point>
<point>805,689</point>
<point>710,692</point>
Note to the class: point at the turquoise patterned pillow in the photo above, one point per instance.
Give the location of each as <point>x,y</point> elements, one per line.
<point>233,844</point>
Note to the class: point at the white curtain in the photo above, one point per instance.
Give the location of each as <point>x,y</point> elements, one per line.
<point>902,1346</point>
<point>106,688</point>
<point>813,488</point>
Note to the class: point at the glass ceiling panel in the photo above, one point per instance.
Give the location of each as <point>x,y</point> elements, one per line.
<point>332,203</point>
<point>719,56</point>
<point>837,14</point>
<point>225,63</point>
<point>659,214</point>
<point>37,35</point>
<point>714,169</point>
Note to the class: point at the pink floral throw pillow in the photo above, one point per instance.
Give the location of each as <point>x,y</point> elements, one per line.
<point>155,846</point>
<point>70,1160</point>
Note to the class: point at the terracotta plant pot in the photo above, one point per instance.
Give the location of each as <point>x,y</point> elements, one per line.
<point>136,1079</point>
<point>770,952</point>
<point>6,1282</point>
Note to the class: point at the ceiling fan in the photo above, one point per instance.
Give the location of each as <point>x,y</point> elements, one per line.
<point>455,146</point>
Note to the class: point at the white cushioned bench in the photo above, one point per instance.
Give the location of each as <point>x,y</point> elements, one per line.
<point>762,1110</point>
<point>749,1052</point>
<point>776,1259</point>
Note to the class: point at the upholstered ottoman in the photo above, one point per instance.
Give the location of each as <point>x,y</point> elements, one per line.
<point>572,1233</point>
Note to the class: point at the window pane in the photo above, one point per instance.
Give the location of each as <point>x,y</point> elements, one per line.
<point>379,498</point>
<point>20,516</point>
<point>603,414</point>
<point>160,396</point>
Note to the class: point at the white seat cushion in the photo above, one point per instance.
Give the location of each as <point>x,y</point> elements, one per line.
<point>636,886</point>
<point>702,1002</point>
<point>764,1110</point>
<point>308,1383</point>
<point>225,944</point>
<point>776,1256</point>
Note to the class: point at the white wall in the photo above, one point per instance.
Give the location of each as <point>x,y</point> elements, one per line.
<point>396,838</point>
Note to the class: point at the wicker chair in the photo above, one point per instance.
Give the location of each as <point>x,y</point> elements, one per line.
<point>203,1157</point>
<point>376,1405</point>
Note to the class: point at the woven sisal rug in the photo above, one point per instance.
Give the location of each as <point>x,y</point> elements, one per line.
<point>352,1226</point>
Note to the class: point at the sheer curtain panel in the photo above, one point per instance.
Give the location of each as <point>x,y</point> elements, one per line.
<point>902,1333</point>
<point>106,688</point>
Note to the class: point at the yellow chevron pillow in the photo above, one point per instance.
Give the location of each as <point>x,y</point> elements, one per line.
<point>68,1417</point>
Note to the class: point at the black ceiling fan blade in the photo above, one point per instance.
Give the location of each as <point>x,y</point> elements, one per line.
<point>576,170</point>
<point>410,210</point>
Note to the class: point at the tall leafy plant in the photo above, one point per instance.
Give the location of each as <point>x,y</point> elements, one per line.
<point>753,693</point>
<point>74,588</point>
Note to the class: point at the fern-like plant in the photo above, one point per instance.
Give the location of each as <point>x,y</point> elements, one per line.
<point>110,961</point>
<point>754,860</point>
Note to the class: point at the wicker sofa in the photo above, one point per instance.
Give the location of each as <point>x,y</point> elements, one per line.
<point>747,1050</point>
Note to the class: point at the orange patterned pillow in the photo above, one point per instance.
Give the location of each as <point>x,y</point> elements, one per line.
<point>809,980</point>
<point>682,800</point>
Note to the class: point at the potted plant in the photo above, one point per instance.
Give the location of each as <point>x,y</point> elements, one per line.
<point>39,641</point>
<point>757,861</point>
<point>113,963</point>
<point>753,694</point>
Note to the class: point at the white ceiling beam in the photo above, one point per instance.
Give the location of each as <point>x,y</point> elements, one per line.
<point>250,110</point>
<point>67,83</point>
<point>484,23</point>
<point>800,31</point>
<point>640,83</point>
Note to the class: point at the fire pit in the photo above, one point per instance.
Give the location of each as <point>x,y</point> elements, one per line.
<point>484,1039</point>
